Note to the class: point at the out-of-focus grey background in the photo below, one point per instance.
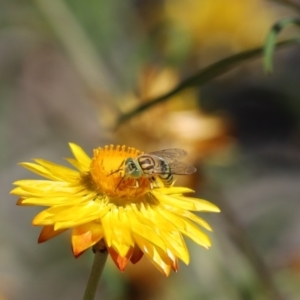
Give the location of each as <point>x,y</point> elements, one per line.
<point>69,69</point>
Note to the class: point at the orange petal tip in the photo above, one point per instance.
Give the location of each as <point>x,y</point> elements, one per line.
<point>48,233</point>
<point>121,262</point>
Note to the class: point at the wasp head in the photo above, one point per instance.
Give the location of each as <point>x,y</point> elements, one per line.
<point>132,168</point>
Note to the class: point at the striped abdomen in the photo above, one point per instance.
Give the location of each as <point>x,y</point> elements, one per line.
<point>154,165</point>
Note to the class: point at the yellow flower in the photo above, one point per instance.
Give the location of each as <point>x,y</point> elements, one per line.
<point>219,24</point>
<point>133,218</point>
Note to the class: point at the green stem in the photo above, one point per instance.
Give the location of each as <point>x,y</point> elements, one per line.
<point>203,76</point>
<point>96,271</point>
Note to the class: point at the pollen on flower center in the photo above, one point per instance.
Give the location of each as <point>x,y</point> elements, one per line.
<point>107,173</point>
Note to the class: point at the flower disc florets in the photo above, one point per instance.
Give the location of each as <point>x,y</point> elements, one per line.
<point>107,174</point>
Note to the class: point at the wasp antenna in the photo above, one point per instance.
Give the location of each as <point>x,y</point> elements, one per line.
<point>114,172</point>
<point>119,169</point>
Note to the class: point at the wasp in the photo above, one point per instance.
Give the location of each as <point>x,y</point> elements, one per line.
<point>164,164</point>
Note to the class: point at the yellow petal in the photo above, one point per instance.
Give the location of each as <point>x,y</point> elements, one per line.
<point>78,212</point>
<point>59,171</point>
<point>108,230</point>
<point>172,200</point>
<point>75,163</point>
<point>201,204</point>
<point>189,215</point>
<point>42,187</point>
<point>38,170</point>
<point>189,229</point>
<point>20,192</point>
<point>81,156</point>
<point>174,190</point>
<point>62,213</point>
<point>45,217</point>
<point>145,231</point>
<point>122,240</point>
<point>74,223</point>
<point>149,216</point>
<point>44,201</point>
<point>85,236</point>
<point>187,203</point>
<point>176,245</point>
<point>156,255</point>
<point>117,232</point>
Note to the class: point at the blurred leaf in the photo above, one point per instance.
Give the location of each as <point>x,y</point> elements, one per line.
<point>271,41</point>
<point>205,75</point>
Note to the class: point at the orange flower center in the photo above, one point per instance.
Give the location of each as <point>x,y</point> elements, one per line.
<point>109,178</point>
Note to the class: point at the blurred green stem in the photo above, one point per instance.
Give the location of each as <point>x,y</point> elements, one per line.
<point>96,271</point>
<point>203,76</point>
<point>270,43</point>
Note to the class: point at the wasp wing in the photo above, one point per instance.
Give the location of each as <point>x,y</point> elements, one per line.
<point>181,168</point>
<point>176,168</point>
<point>170,155</point>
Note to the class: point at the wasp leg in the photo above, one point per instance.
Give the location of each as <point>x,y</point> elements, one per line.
<point>136,185</point>
<point>154,183</point>
<point>151,184</point>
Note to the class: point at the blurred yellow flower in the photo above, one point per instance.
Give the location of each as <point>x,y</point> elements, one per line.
<point>219,26</point>
<point>133,219</point>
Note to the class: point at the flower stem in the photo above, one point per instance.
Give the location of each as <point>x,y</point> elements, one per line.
<point>96,271</point>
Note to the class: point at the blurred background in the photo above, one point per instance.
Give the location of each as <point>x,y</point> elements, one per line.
<point>70,69</point>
